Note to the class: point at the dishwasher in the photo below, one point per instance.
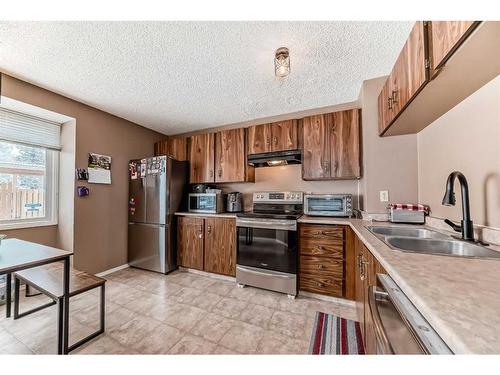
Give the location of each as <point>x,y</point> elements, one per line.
<point>399,327</point>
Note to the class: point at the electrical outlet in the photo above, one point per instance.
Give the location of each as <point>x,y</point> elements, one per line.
<point>384,195</point>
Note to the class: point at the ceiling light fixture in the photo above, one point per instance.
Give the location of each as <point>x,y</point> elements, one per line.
<point>282,62</point>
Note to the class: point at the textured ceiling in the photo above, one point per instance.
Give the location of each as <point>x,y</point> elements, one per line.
<point>176,77</point>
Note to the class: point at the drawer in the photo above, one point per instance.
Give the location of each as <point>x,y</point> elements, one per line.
<point>319,247</point>
<point>332,233</point>
<point>322,266</point>
<point>322,284</point>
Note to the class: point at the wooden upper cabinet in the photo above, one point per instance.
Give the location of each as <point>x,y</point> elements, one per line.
<point>407,78</point>
<point>230,157</point>
<point>316,149</point>
<point>284,135</point>
<point>331,146</point>
<point>445,37</point>
<point>384,107</point>
<point>190,242</point>
<point>345,145</point>
<point>201,158</point>
<point>220,246</point>
<point>278,136</point>
<point>259,139</point>
<point>175,147</point>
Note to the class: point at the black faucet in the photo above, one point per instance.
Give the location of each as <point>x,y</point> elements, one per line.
<point>466,226</point>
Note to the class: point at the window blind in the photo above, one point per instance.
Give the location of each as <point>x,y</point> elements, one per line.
<point>30,130</point>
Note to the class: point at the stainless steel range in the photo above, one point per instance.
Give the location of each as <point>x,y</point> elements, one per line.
<point>267,255</point>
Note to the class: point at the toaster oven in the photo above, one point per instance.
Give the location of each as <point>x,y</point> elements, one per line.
<point>328,205</point>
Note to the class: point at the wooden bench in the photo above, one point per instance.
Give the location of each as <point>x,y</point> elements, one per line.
<point>48,280</point>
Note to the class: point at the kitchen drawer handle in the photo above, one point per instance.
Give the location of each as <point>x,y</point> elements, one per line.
<point>321,266</point>
<point>327,232</point>
<point>320,285</point>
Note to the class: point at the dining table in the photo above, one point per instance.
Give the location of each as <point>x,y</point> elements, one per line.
<point>17,255</point>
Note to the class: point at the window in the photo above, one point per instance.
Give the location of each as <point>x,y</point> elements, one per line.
<point>28,177</point>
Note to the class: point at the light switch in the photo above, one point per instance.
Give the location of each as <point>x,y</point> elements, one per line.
<point>384,195</point>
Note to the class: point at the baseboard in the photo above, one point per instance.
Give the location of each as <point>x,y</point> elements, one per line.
<point>107,272</point>
<point>208,274</point>
<point>340,301</point>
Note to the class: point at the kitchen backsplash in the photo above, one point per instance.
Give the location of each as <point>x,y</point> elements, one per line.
<point>289,178</point>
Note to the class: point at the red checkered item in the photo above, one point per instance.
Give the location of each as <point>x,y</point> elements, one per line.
<point>410,206</point>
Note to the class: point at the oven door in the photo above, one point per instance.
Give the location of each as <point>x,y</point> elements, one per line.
<point>273,246</point>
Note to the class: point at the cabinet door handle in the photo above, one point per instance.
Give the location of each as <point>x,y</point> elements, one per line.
<point>220,172</point>
<point>389,103</point>
<point>211,172</point>
<point>275,140</point>
<point>268,141</point>
<point>209,229</point>
<point>394,96</point>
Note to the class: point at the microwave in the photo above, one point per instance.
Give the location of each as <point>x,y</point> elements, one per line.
<point>206,203</point>
<point>328,205</point>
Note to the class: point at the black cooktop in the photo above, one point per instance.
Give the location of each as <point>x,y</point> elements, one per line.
<point>268,215</point>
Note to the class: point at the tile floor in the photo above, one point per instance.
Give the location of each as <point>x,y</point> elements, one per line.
<point>181,313</point>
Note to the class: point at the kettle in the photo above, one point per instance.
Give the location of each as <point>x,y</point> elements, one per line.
<point>234,202</point>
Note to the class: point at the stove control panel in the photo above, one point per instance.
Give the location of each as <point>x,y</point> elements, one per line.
<point>294,197</point>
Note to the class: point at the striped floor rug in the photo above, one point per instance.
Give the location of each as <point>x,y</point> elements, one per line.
<point>334,335</point>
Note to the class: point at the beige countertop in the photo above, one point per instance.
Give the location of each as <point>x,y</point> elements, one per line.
<point>222,215</point>
<point>459,297</point>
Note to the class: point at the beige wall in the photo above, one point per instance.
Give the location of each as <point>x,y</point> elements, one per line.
<point>466,139</point>
<point>390,163</point>
<point>100,233</point>
<point>43,235</point>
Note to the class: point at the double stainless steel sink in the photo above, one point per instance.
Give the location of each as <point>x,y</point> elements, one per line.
<point>427,241</point>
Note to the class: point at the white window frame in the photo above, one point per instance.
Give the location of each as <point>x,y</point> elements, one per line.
<point>51,198</point>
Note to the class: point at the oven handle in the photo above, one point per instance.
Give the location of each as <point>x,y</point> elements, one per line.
<point>289,225</point>
<point>380,333</point>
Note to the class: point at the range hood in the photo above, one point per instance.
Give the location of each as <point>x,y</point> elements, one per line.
<point>273,159</point>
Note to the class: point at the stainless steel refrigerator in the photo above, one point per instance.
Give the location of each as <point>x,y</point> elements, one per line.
<point>157,189</point>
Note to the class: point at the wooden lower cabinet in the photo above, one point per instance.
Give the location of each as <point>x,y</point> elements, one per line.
<point>190,232</point>
<point>220,246</point>
<point>321,261</point>
<point>367,267</point>
<point>207,244</point>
